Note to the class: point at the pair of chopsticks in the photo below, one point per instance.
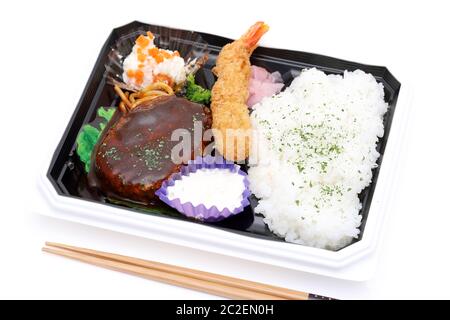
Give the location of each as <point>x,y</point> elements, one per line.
<point>211,283</point>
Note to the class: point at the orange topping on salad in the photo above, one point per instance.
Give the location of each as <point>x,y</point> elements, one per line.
<point>130,73</point>
<point>139,76</point>
<point>156,54</point>
<point>141,65</point>
<point>165,54</point>
<point>161,77</point>
<point>159,54</point>
<point>150,35</point>
<point>153,51</point>
<point>141,57</point>
<point>142,41</point>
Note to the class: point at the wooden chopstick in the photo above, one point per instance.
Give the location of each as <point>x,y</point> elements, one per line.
<point>198,280</point>
<point>204,286</point>
<point>196,274</point>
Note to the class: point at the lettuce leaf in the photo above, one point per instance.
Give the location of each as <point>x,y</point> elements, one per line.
<point>196,93</point>
<point>107,114</point>
<point>86,140</point>
<point>89,135</point>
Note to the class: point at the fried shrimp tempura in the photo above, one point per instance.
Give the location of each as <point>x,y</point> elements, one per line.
<point>231,120</point>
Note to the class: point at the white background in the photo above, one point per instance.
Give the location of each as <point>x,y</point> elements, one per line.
<point>47,52</point>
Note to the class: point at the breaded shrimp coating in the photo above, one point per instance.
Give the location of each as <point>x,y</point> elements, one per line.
<point>231,119</point>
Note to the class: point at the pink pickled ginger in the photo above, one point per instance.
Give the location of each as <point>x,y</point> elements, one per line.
<point>263,84</point>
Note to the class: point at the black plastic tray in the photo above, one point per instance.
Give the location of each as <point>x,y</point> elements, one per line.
<point>66,172</point>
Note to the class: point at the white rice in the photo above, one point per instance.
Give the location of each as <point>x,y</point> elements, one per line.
<point>316,149</point>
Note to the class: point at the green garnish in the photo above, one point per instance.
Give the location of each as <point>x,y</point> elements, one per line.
<point>89,135</point>
<point>106,114</point>
<point>86,140</point>
<point>196,93</point>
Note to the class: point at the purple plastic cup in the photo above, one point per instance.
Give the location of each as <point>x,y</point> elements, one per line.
<point>200,212</point>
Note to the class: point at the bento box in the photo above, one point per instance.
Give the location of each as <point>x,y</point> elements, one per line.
<point>64,192</point>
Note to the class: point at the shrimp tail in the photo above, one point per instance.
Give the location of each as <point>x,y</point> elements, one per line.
<point>253,35</point>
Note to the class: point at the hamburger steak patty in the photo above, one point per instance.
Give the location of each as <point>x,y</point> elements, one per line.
<point>133,157</point>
